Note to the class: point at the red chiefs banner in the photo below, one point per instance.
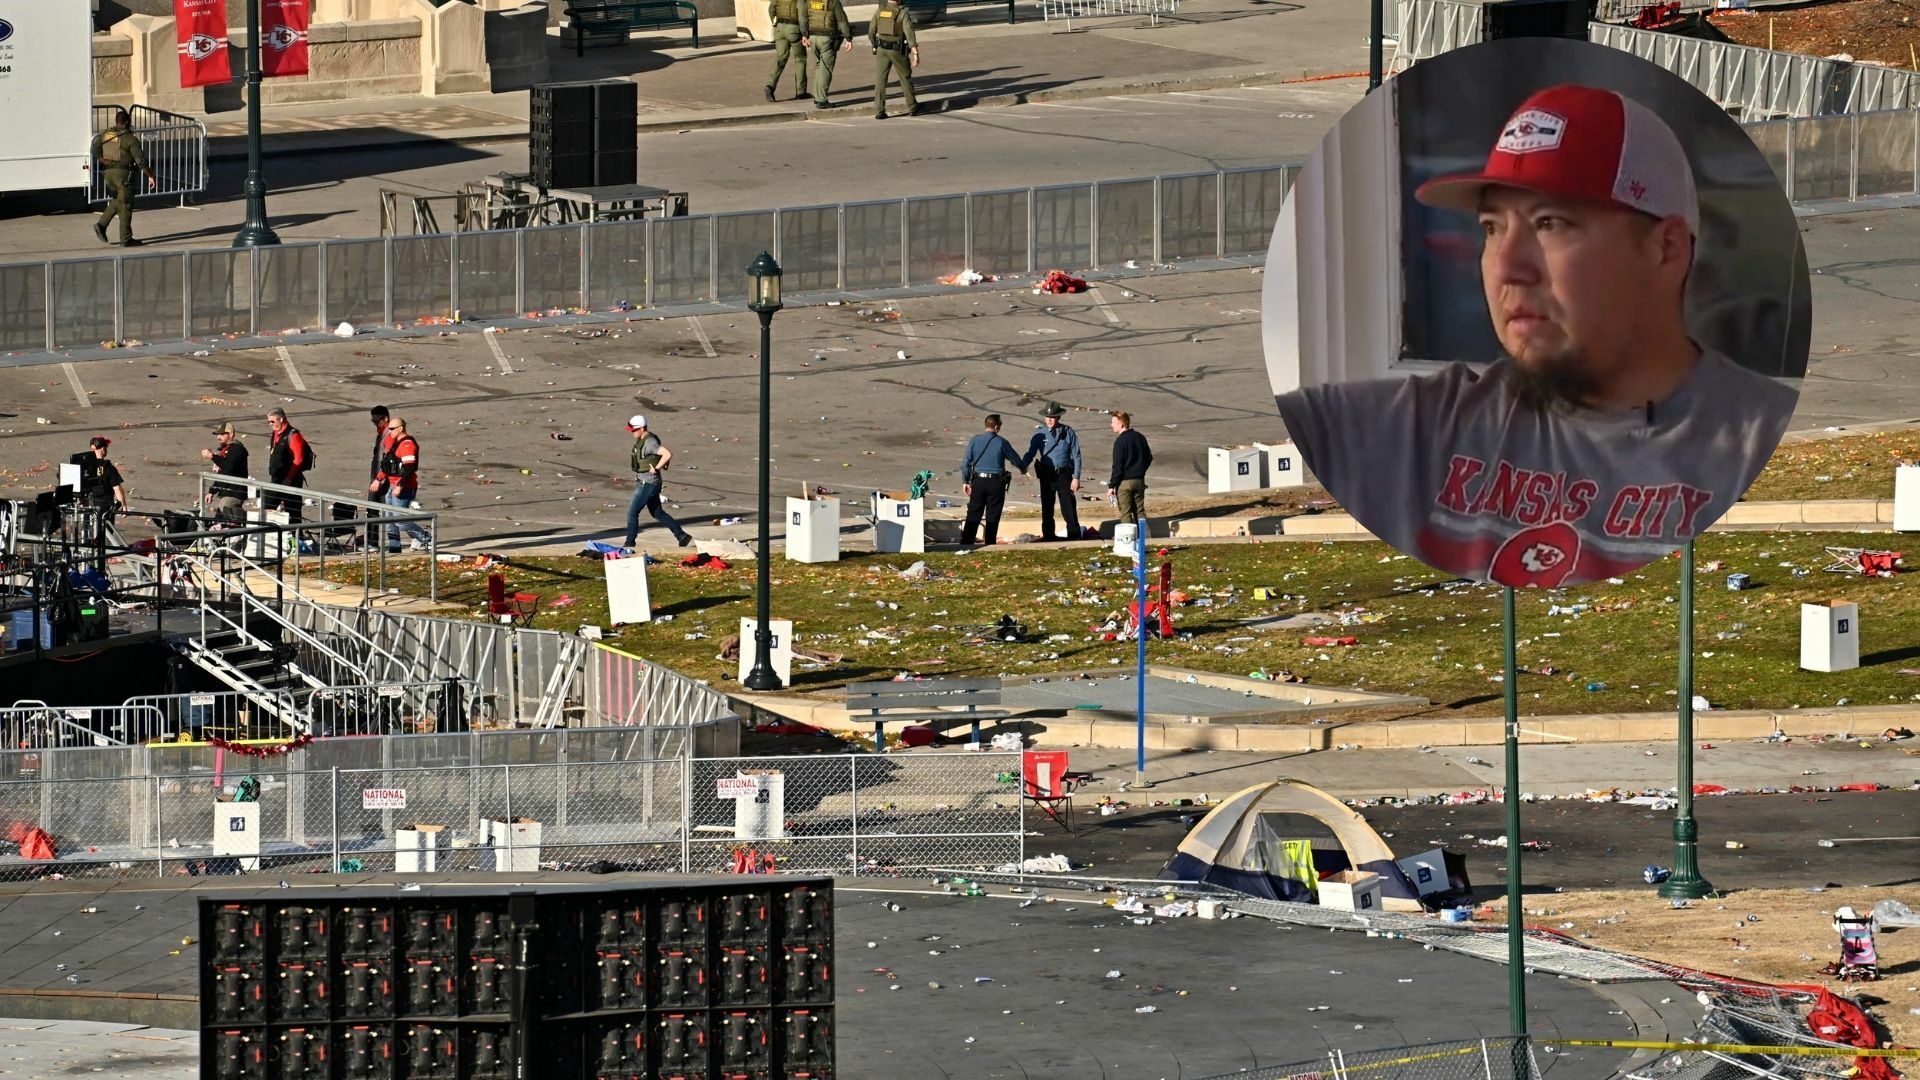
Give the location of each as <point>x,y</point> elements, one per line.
<point>202,26</point>
<point>283,37</point>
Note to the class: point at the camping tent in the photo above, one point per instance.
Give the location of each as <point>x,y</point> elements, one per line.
<point>1238,846</point>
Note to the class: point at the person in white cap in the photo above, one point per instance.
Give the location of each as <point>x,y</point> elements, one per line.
<point>1606,436</point>
<point>649,459</point>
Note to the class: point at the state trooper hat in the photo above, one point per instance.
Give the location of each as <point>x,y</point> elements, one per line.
<point>1054,409</point>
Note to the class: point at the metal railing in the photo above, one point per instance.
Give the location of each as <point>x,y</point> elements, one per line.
<point>36,725</point>
<point>646,263</point>
<point>1070,10</point>
<point>1758,84</point>
<point>1850,157</point>
<point>1750,82</point>
<point>176,149</point>
<point>364,526</point>
<point>536,677</point>
<point>844,814</point>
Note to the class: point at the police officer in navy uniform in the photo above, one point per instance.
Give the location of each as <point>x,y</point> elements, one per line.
<point>1054,455</point>
<point>986,479</point>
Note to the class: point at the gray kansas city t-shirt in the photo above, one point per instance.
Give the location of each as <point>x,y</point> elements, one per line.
<point>1453,470</point>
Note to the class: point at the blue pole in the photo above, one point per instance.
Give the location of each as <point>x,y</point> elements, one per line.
<point>1140,667</point>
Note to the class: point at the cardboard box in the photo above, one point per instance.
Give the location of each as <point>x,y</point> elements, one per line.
<point>1830,636</point>
<point>515,844</point>
<point>1436,871</point>
<point>1351,890</point>
<point>236,831</point>
<point>417,848</point>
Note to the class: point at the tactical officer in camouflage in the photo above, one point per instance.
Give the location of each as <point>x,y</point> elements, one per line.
<point>895,49</point>
<point>785,17</point>
<point>119,154</point>
<point>826,34</point>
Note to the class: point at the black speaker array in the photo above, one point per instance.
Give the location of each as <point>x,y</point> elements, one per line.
<point>1536,18</point>
<point>686,979</point>
<point>584,134</point>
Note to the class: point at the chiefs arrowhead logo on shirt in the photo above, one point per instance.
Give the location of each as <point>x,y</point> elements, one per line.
<point>1541,556</point>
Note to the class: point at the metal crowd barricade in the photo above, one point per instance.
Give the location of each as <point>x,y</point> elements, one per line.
<point>176,148</point>
<point>228,714</point>
<point>1070,10</point>
<point>35,725</point>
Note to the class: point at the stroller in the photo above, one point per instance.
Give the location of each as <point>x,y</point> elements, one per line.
<point>1859,962</point>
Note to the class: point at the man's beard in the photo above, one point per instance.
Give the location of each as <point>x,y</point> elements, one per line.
<point>1558,383</point>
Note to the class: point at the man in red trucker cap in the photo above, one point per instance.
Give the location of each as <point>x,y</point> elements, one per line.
<point>1605,436</point>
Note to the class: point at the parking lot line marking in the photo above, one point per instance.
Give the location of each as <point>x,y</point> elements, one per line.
<point>1102,301</point>
<point>73,380</point>
<point>286,361</point>
<point>493,342</point>
<point>702,331</point>
<point>1076,108</point>
<point>907,328</point>
<point>1179,97</point>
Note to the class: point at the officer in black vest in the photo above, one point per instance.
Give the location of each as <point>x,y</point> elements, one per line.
<point>895,49</point>
<point>784,15</point>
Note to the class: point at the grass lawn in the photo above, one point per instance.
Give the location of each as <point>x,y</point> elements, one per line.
<point>1853,467</point>
<point>1848,467</point>
<point>1419,631</point>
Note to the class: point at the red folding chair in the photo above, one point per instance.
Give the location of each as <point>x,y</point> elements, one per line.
<point>1048,784</point>
<point>518,608</point>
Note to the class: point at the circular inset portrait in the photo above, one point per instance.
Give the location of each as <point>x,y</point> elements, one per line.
<point>1536,312</point>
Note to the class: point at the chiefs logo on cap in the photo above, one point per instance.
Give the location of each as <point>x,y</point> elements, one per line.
<point>1540,557</point>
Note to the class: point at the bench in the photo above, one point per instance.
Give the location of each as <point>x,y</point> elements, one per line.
<point>1070,10</point>
<point>929,10</point>
<point>922,699</point>
<point>622,17</point>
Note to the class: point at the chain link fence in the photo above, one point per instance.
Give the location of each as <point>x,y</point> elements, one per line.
<point>859,813</point>
<point>551,800</point>
<point>1509,1058</point>
<point>1748,1014</point>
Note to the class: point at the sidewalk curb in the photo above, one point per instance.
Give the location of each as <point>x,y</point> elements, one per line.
<point>300,143</point>
<point>1409,734</point>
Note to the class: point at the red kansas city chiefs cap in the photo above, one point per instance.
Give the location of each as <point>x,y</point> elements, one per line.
<point>1584,143</point>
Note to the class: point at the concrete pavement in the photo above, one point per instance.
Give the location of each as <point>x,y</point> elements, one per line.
<point>1182,352</point>
<point>1545,770</point>
<point>328,161</point>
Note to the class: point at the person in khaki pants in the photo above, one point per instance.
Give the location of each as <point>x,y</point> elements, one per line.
<point>1132,457</point>
<point>827,33</point>
<point>895,51</point>
<point>785,15</point>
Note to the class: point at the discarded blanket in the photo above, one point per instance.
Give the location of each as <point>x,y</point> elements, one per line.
<point>1329,640</point>
<point>704,561</point>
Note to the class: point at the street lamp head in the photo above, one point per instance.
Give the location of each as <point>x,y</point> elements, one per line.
<point>763,284</point>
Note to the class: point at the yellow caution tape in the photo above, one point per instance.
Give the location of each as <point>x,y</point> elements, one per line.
<point>1738,1048</point>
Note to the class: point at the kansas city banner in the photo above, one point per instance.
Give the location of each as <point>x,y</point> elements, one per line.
<point>202,26</point>
<point>283,37</point>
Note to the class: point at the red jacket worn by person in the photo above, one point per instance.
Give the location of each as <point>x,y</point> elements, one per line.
<point>288,458</point>
<point>400,466</point>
